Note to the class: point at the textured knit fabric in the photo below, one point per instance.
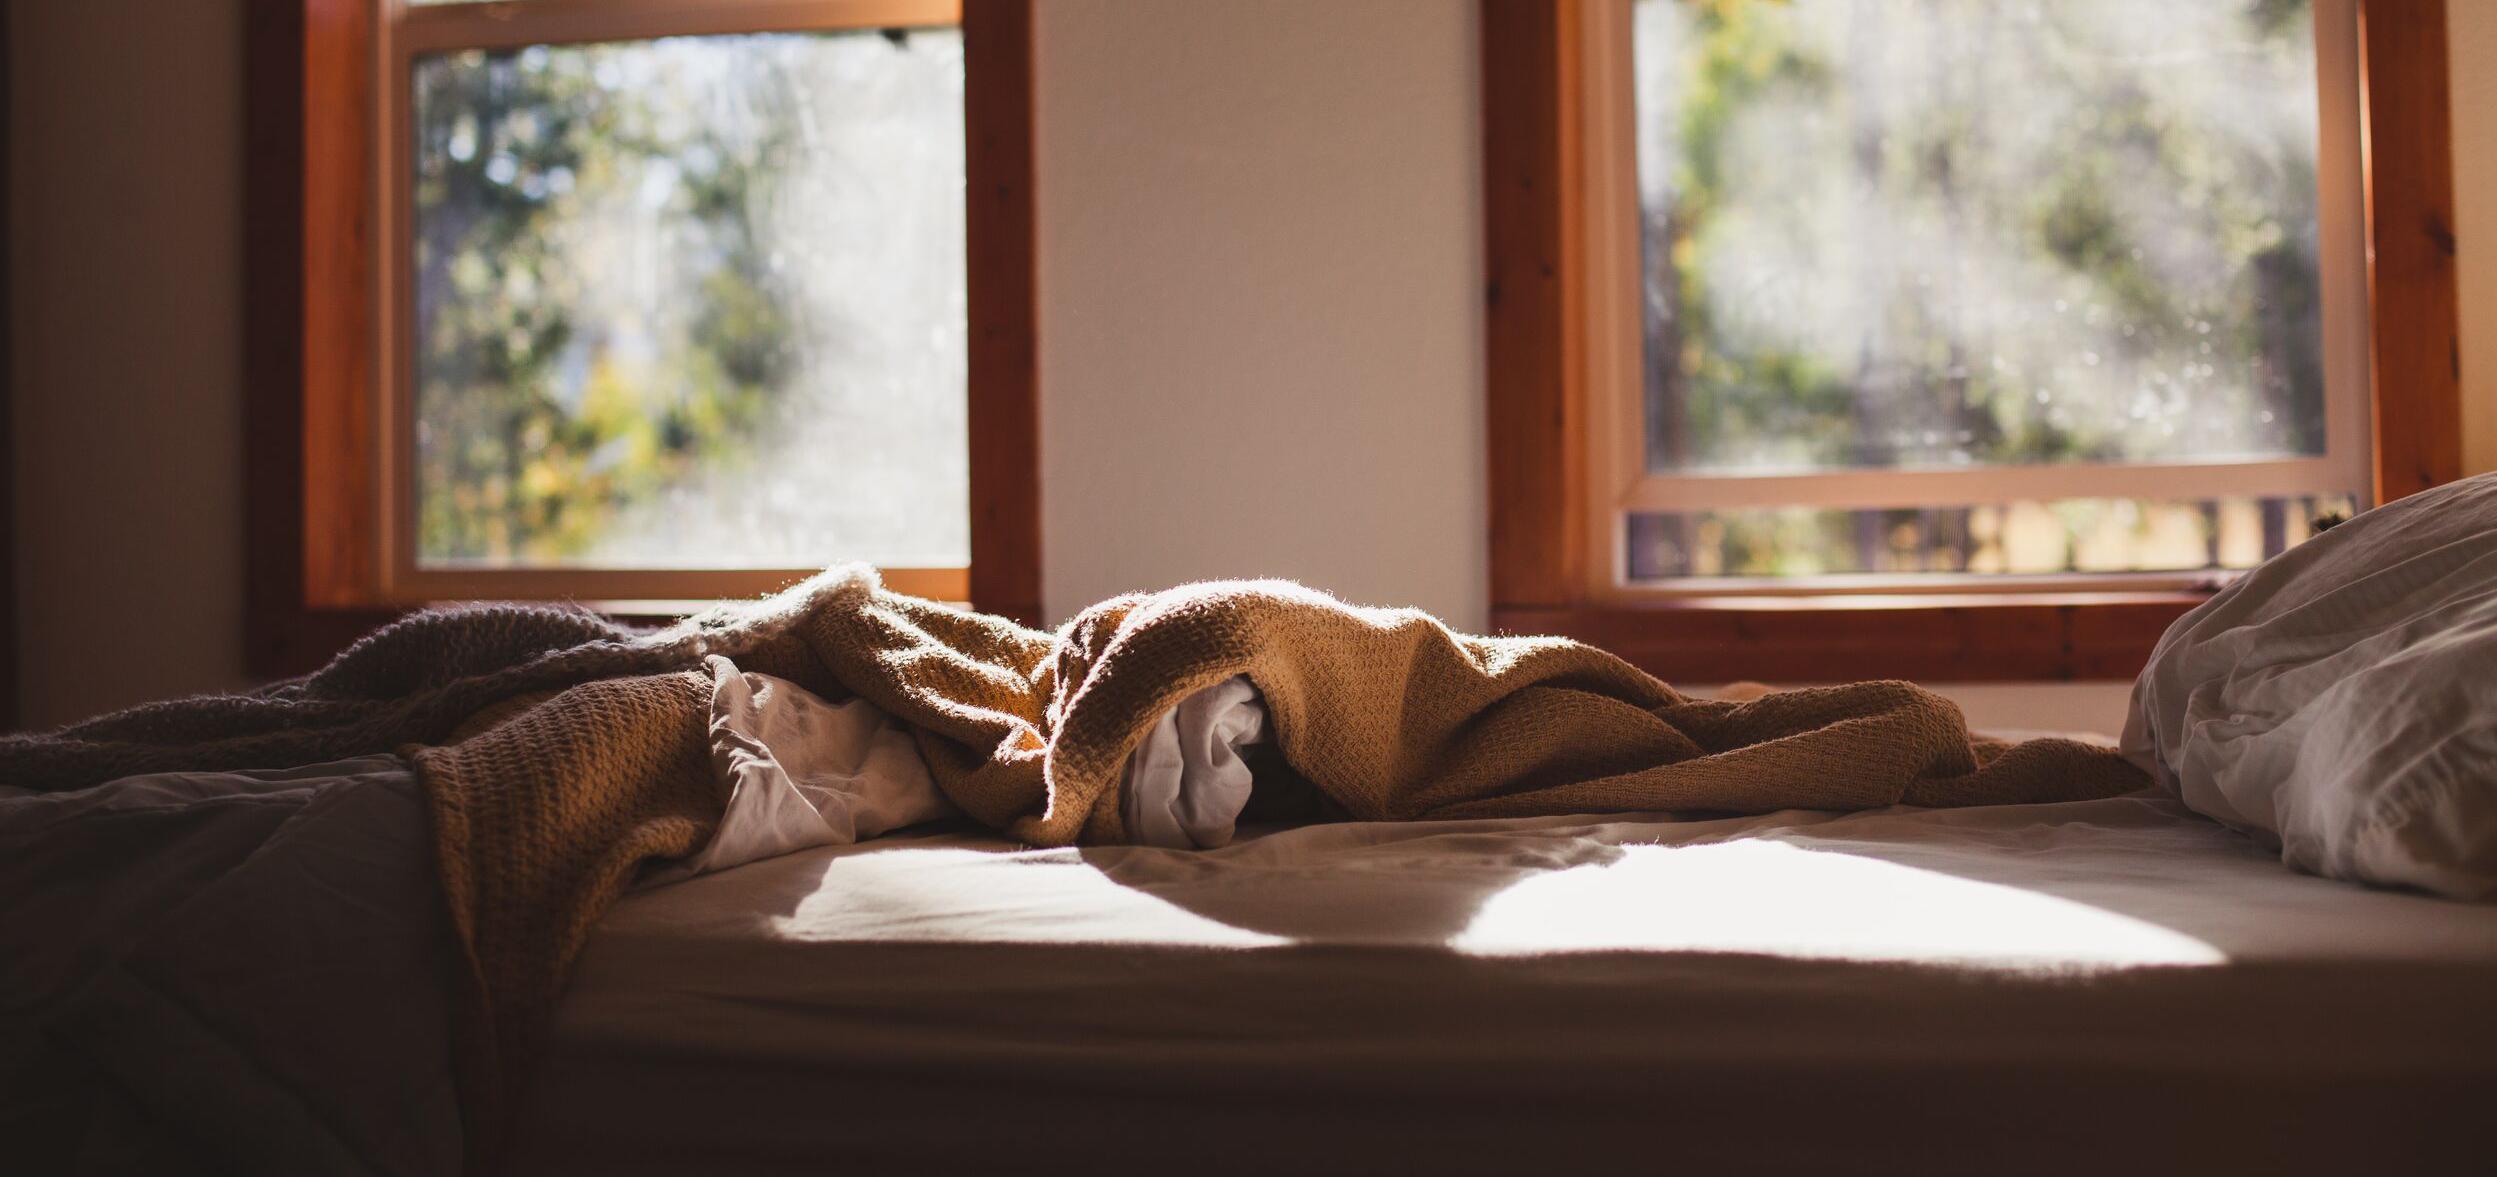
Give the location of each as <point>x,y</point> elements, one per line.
<point>413,681</point>
<point>545,805</point>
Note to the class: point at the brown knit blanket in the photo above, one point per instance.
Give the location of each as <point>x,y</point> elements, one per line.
<point>582,753</point>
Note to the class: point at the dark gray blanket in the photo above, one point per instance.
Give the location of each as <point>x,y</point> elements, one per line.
<point>208,957</point>
<point>410,682</point>
<point>240,972</point>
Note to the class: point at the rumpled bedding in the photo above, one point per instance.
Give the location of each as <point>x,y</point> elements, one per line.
<point>2340,702</point>
<point>797,771</point>
<point>554,757</point>
<point>232,972</point>
<point>249,971</point>
<point>1188,780</point>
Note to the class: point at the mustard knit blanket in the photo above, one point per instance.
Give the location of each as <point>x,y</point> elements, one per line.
<point>561,753</point>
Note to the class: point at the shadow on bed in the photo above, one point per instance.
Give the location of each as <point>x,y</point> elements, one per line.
<point>1303,901</point>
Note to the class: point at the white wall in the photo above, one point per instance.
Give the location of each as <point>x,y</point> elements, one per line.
<point>1261,326</point>
<point>126,256</point>
<point>1261,341</point>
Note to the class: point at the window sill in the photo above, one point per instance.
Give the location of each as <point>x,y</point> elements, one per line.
<point>1958,638</point>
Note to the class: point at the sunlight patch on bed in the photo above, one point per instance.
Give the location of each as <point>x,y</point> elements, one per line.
<point>984,897</point>
<point>1767,897</point>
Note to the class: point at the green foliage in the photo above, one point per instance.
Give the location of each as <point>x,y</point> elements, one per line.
<point>2165,246</point>
<point>531,438</point>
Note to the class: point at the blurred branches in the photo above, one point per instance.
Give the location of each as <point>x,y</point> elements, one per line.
<point>1948,233</point>
<point>532,434</point>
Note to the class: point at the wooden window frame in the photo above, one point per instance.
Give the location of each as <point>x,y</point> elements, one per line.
<point>1536,165</point>
<point>319,447</point>
<point>9,539</point>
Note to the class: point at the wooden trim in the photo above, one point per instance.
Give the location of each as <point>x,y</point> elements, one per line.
<point>1960,640</point>
<point>651,584</point>
<point>285,631</point>
<point>1534,330</point>
<point>557,22</point>
<point>8,419</point>
<point>1004,307</point>
<point>337,413</point>
<point>2415,353</point>
<point>1538,395</point>
<point>313,420</point>
<point>1873,488</point>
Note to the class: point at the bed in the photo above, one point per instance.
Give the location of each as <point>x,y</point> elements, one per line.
<point>429,962</point>
<point>2080,987</point>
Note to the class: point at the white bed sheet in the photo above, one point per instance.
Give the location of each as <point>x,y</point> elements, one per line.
<point>2066,986</point>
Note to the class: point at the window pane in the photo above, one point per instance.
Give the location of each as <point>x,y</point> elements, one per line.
<point>2021,538</point>
<point>1937,233</point>
<point>691,302</point>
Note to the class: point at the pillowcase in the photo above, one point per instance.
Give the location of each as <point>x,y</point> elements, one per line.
<point>2340,701</point>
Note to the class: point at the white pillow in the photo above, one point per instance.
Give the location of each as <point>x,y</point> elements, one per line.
<point>2340,701</point>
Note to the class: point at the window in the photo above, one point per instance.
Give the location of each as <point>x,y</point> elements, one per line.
<point>654,283</point>
<point>638,300</point>
<point>1948,338</point>
<point>1934,291</point>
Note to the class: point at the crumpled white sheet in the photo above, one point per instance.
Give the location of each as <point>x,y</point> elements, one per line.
<point>796,771</point>
<point>1186,783</point>
<point>2340,701</point>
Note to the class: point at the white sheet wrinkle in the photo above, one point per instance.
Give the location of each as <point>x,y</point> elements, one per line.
<point>796,771</point>
<point>2337,701</point>
<point>1186,783</point>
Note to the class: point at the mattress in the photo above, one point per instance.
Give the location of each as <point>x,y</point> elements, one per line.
<point>2072,987</point>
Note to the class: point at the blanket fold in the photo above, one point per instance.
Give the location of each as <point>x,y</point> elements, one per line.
<point>584,751</point>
